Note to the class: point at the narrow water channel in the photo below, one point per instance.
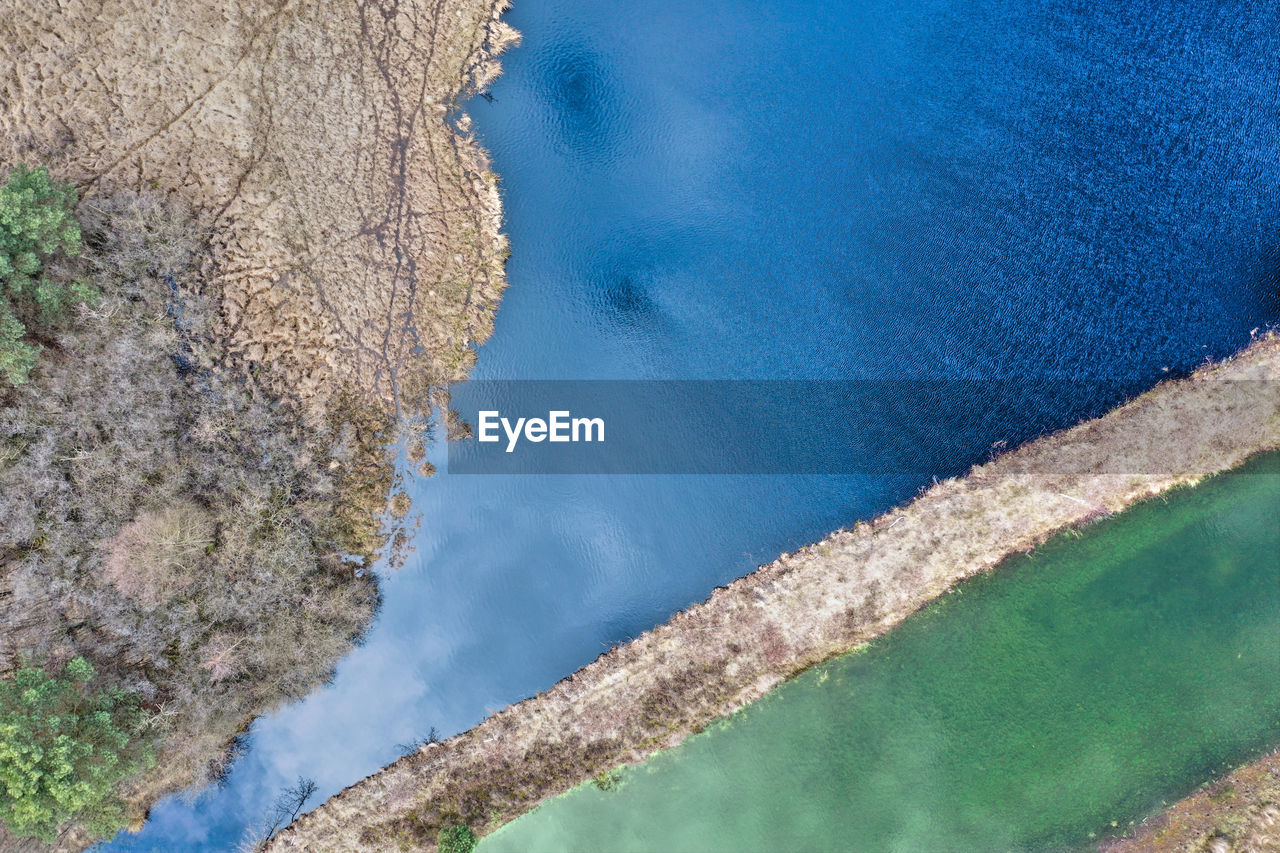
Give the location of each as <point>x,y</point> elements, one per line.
<point>1055,701</point>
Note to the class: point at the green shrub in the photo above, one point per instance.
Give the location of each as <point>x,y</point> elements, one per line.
<point>37,223</point>
<point>608,781</point>
<point>63,749</point>
<point>457,839</point>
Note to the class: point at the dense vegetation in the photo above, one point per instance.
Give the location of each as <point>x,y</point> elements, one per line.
<point>37,224</point>
<point>63,749</point>
<point>457,839</point>
<point>205,546</point>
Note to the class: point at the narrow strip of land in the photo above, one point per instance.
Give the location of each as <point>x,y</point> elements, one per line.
<point>820,601</point>
<point>1239,813</point>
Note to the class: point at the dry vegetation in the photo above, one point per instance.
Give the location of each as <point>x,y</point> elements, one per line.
<point>804,608</point>
<point>353,236</point>
<point>1237,814</point>
<point>162,522</point>
<point>295,249</point>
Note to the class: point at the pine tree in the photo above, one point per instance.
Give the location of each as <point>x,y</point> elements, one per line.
<point>63,750</point>
<point>37,223</point>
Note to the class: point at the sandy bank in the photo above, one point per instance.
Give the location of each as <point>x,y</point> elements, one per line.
<point>805,607</point>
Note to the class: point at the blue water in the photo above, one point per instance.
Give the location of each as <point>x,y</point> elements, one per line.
<point>1014,192</point>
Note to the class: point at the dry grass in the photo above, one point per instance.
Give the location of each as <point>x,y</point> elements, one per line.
<point>399,505</point>
<point>353,235</point>
<point>158,519</point>
<point>825,599</point>
<point>1237,814</point>
<point>296,247</point>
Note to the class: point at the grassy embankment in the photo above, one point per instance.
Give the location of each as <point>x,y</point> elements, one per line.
<point>293,250</point>
<point>1239,813</point>
<point>802,609</point>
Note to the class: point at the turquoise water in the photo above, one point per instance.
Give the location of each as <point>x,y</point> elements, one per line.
<point>1085,684</point>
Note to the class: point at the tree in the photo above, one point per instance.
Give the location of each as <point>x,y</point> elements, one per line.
<point>284,811</point>
<point>37,223</point>
<point>289,803</point>
<point>63,749</point>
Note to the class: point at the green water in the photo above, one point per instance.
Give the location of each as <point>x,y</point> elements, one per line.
<point>1091,682</point>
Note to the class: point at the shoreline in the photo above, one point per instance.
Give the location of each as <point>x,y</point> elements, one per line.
<point>338,259</point>
<point>1237,812</point>
<point>804,608</point>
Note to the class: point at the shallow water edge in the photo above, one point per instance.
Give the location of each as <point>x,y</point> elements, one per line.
<point>805,608</point>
